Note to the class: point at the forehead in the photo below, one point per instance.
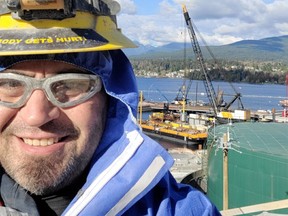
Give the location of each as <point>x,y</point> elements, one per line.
<point>44,66</point>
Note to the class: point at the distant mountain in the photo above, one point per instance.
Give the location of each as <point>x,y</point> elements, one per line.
<point>144,51</point>
<point>267,49</point>
<point>140,50</point>
<point>272,44</point>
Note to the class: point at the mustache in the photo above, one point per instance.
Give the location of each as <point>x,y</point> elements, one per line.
<point>53,127</point>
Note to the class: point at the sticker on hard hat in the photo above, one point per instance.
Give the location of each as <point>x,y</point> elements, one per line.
<point>42,40</point>
<point>49,39</point>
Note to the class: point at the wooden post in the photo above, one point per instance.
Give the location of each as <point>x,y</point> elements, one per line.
<point>273,115</point>
<point>225,172</point>
<point>140,108</point>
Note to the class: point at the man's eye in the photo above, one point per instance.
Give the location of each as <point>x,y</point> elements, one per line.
<point>66,87</point>
<point>8,83</point>
<point>72,87</point>
<point>70,90</point>
<point>11,88</point>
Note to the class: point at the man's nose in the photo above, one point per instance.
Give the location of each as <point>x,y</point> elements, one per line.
<point>38,110</point>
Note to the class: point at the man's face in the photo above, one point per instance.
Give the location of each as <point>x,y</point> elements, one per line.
<point>44,147</point>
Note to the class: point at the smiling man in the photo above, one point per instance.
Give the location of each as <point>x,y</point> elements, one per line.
<point>44,146</point>
<point>69,140</point>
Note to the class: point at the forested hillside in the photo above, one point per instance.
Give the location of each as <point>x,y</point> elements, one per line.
<point>231,71</point>
<point>253,61</point>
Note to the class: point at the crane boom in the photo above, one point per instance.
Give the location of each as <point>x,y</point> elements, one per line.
<point>199,57</point>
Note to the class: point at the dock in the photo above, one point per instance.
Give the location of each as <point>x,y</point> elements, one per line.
<point>148,106</point>
<point>256,115</point>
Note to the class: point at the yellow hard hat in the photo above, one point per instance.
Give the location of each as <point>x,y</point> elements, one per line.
<point>59,26</point>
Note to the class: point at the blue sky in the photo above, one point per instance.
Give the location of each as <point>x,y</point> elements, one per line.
<point>145,7</point>
<point>158,22</point>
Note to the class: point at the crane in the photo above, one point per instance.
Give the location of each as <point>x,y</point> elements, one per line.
<point>215,101</point>
<point>184,89</point>
<point>199,56</point>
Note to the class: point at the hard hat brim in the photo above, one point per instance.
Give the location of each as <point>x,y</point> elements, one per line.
<point>82,33</point>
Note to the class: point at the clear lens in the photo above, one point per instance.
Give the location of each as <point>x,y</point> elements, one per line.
<point>63,90</point>
<point>11,90</point>
<point>70,90</point>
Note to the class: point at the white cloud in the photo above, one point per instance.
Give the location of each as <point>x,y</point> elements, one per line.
<point>166,8</point>
<point>220,22</point>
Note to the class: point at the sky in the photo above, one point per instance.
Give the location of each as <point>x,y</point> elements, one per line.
<point>219,22</point>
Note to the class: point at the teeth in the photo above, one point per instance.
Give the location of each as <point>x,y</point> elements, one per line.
<point>40,142</point>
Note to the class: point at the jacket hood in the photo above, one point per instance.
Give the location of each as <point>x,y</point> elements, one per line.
<point>126,160</point>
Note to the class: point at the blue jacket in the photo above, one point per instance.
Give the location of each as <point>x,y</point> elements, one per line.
<point>129,173</point>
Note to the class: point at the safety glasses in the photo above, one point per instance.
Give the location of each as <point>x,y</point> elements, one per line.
<point>62,90</point>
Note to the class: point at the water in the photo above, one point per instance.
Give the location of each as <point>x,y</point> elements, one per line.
<point>254,97</point>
